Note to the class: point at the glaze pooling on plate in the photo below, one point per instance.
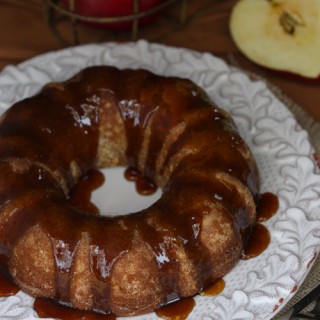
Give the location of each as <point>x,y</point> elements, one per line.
<point>280,146</point>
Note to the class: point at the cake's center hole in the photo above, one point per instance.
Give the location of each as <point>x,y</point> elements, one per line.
<point>114,191</point>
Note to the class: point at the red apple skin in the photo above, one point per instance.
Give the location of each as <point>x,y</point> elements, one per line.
<point>113,8</point>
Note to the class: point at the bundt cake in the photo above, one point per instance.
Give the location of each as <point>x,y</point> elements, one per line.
<point>169,130</point>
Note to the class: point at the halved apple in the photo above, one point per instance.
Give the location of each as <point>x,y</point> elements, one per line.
<point>279,34</point>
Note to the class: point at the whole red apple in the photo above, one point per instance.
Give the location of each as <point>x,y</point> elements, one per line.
<point>113,8</point>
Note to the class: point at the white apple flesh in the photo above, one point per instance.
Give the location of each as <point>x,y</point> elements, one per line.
<point>279,34</point>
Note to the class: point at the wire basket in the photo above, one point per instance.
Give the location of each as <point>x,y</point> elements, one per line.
<point>55,12</point>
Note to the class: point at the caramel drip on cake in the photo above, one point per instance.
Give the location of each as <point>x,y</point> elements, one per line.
<point>144,186</point>
<point>46,308</point>
<point>258,242</point>
<point>177,310</point>
<point>81,194</point>
<point>7,286</point>
<point>267,207</point>
<point>169,131</point>
<point>214,289</point>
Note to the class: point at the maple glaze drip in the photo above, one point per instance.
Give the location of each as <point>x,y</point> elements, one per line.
<point>258,242</point>
<point>144,186</point>
<point>177,310</point>
<point>81,193</point>
<point>215,289</point>
<point>7,286</point>
<point>267,207</point>
<point>48,309</point>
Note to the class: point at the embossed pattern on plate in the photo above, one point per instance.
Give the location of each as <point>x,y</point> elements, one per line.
<point>257,288</point>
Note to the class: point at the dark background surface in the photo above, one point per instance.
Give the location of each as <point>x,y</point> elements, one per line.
<point>24,33</point>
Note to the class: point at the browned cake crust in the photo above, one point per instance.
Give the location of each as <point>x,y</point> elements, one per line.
<point>167,128</point>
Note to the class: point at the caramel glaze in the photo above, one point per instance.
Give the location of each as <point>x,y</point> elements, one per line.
<point>144,186</point>
<point>7,286</point>
<point>258,242</point>
<point>50,140</point>
<point>216,288</point>
<point>268,205</point>
<point>177,310</point>
<point>80,195</point>
<point>46,308</point>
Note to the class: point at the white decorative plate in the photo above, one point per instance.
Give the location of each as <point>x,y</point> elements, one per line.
<point>257,288</point>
